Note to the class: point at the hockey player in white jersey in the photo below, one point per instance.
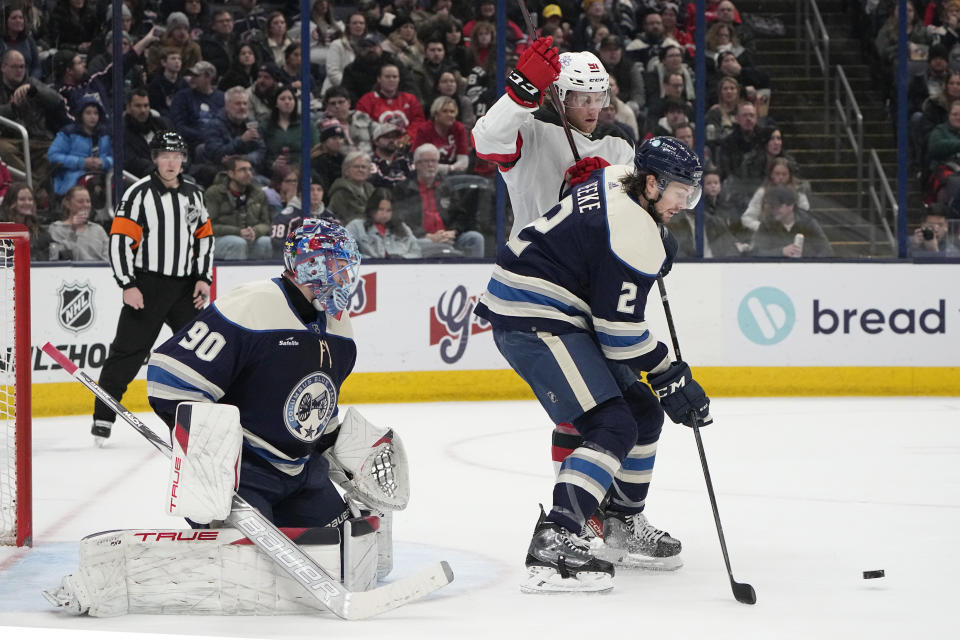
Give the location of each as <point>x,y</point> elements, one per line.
<point>566,302</point>
<point>528,143</point>
<point>530,147</point>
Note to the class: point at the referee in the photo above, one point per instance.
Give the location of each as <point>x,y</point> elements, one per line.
<point>161,252</point>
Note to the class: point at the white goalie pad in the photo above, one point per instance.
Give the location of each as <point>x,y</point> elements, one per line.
<point>205,465</point>
<point>370,463</point>
<point>207,571</point>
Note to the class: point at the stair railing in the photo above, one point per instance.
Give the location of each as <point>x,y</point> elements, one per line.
<point>850,122</point>
<point>883,203</point>
<point>109,187</point>
<point>815,40</point>
<point>13,124</point>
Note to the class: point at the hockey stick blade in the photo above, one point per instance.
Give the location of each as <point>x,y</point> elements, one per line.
<point>743,592</point>
<point>348,605</point>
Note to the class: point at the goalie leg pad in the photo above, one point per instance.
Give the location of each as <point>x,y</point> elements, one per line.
<point>211,571</point>
<point>370,463</point>
<point>205,465</point>
<point>360,556</point>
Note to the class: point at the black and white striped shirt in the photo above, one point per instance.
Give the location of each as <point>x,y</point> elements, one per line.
<point>163,231</point>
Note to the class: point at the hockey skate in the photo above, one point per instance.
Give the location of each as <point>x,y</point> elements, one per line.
<point>629,540</point>
<point>100,431</point>
<point>559,561</point>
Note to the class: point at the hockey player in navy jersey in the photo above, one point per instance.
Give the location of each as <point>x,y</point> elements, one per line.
<point>278,350</point>
<point>250,391</point>
<point>528,144</point>
<point>566,302</point>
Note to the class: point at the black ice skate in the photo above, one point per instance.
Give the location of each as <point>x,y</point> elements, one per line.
<point>630,541</point>
<point>559,561</point>
<point>101,431</point>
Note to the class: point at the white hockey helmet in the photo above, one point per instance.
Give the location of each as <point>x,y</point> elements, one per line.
<point>582,71</point>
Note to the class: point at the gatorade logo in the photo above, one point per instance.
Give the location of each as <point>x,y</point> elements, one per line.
<point>766,315</point>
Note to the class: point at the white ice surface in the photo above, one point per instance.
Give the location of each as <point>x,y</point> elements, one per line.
<point>811,492</point>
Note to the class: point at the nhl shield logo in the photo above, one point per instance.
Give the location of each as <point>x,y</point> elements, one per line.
<point>75,311</point>
<point>193,214</point>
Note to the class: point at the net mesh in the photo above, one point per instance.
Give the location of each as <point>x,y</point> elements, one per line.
<point>8,397</point>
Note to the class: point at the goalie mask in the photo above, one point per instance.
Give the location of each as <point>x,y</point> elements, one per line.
<point>321,255</point>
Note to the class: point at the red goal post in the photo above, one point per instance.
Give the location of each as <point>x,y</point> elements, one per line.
<point>16,517</point>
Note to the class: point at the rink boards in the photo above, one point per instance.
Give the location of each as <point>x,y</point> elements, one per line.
<point>750,329</point>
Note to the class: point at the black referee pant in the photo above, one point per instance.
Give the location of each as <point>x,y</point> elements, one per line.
<point>165,300</point>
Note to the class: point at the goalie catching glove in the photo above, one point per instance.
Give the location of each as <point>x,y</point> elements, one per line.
<point>537,69</point>
<point>205,465</point>
<point>370,464</point>
<point>681,395</point>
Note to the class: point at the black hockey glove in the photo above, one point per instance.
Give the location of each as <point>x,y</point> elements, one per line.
<point>670,246</point>
<point>680,395</point>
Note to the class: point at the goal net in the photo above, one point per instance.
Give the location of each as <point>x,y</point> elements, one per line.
<point>15,511</point>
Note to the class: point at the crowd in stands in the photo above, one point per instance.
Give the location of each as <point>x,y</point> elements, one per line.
<point>933,106</point>
<point>395,88</point>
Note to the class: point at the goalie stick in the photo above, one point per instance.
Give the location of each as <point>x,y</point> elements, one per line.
<point>345,604</point>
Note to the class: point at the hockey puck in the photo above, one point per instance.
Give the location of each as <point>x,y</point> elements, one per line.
<point>879,573</point>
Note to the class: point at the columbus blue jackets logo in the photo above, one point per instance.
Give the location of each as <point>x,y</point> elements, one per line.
<point>75,309</point>
<point>309,406</point>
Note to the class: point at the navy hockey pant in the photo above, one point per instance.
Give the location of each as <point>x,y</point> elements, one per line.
<point>618,417</point>
<point>308,499</point>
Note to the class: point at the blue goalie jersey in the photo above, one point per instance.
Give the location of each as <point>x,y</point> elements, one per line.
<point>586,265</point>
<point>266,350</point>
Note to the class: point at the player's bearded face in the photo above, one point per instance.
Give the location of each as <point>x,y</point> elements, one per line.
<point>675,197</point>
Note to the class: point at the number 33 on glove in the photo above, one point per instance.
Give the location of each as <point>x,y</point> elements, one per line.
<point>680,395</point>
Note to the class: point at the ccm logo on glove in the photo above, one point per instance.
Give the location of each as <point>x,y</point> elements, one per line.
<point>681,396</point>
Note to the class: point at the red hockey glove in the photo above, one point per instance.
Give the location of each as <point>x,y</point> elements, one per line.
<point>581,171</point>
<point>538,67</point>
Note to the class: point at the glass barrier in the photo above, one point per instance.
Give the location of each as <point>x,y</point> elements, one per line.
<point>795,109</point>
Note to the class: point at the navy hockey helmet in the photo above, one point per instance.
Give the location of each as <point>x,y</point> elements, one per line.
<point>168,141</point>
<point>670,160</point>
<point>321,255</point>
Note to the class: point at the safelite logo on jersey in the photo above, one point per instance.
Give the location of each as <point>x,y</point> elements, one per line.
<point>766,316</point>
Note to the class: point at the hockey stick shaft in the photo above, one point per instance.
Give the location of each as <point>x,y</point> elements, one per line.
<point>345,604</point>
<point>741,591</point>
<point>554,94</point>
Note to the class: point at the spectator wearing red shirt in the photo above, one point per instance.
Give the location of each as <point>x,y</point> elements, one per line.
<point>448,135</point>
<point>386,103</point>
<point>427,205</point>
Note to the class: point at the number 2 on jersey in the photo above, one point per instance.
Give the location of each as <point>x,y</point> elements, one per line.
<point>204,343</point>
<point>628,294</point>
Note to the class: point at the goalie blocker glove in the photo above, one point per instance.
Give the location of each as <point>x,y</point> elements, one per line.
<point>680,394</point>
<point>537,69</point>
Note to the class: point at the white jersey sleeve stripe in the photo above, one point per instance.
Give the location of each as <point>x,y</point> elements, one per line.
<point>516,309</point>
<point>540,286</point>
<point>165,366</point>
